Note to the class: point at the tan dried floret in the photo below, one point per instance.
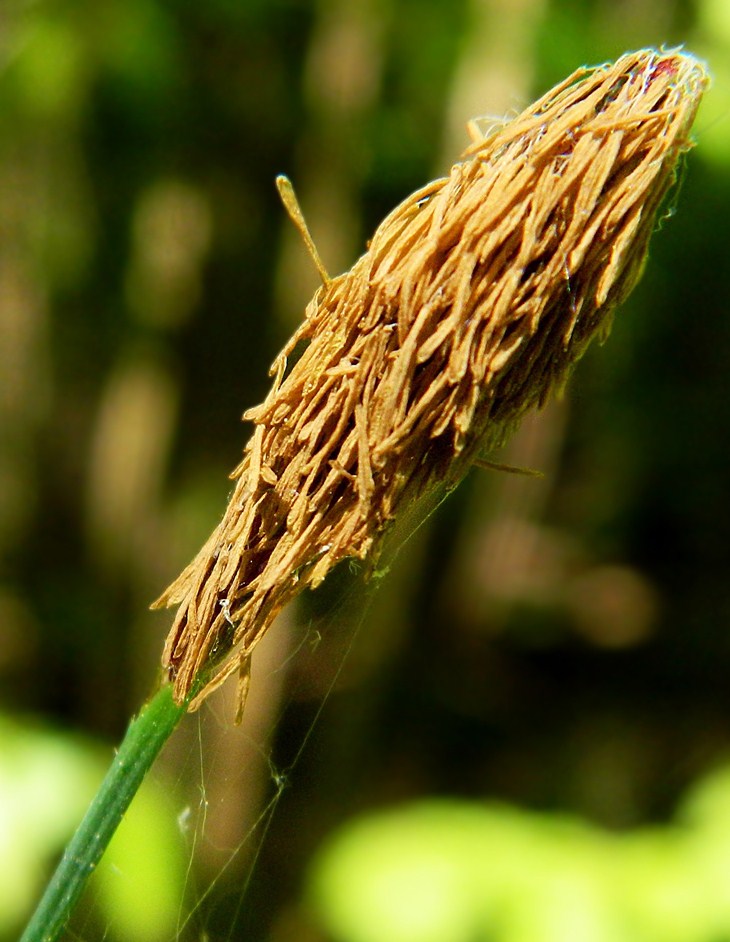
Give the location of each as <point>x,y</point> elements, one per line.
<point>473,301</point>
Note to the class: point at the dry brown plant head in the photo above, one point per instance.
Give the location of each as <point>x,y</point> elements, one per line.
<point>473,301</point>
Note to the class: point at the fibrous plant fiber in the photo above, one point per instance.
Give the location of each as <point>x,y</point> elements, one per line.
<point>473,301</point>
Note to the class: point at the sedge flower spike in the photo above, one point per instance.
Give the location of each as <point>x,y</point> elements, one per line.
<point>474,299</point>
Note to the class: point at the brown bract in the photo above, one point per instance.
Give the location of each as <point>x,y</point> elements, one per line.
<point>473,301</point>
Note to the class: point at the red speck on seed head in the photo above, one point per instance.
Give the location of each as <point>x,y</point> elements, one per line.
<point>666,66</point>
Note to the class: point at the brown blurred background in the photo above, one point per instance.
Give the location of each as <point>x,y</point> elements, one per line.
<point>561,643</point>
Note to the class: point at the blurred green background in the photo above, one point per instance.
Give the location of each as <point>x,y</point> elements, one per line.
<point>527,736</point>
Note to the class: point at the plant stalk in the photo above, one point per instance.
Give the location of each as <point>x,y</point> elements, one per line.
<point>145,737</point>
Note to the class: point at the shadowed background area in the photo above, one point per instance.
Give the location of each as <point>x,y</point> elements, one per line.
<point>560,644</point>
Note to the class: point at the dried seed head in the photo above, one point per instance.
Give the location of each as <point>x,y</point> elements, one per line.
<point>475,298</point>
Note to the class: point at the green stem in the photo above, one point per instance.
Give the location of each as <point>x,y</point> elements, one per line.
<point>143,741</point>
